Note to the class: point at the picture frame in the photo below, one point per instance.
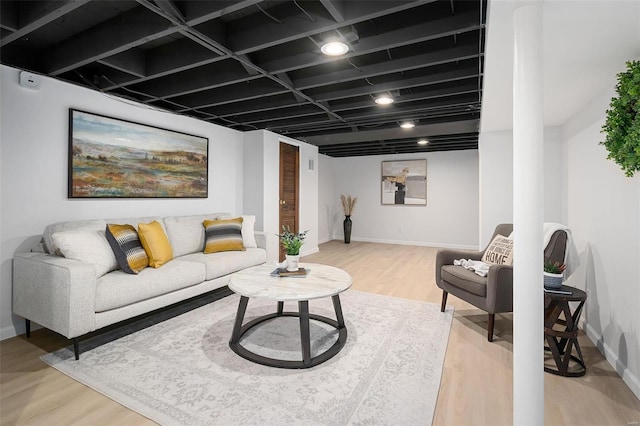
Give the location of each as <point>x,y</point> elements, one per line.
<point>116,158</point>
<point>404,182</point>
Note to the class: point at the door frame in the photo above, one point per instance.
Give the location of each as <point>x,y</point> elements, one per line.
<point>296,226</point>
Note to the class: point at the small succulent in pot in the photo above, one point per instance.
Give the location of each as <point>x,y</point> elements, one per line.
<point>554,267</point>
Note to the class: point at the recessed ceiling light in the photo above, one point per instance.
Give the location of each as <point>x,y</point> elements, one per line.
<point>423,142</point>
<point>384,100</point>
<point>407,125</point>
<point>334,48</point>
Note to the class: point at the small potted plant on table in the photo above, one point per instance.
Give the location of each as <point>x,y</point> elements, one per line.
<point>553,274</point>
<point>292,242</point>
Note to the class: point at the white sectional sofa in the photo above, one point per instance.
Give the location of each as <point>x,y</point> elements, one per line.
<point>71,297</point>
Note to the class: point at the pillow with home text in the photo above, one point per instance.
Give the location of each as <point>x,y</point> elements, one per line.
<point>499,251</point>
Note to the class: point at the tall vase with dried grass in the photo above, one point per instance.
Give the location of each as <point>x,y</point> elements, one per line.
<point>348,204</point>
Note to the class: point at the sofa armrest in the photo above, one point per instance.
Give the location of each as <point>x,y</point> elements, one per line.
<point>447,256</point>
<point>55,292</point>
<point>500,288</point>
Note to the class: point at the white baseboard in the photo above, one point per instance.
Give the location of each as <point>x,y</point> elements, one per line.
<point>309,251</point>
<point>612,358</point>
<point>9,332</point>
<point>417,243</point>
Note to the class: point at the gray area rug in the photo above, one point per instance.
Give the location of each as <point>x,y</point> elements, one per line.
<point>182,372</point>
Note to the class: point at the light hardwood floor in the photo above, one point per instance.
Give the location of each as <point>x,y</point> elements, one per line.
<point>476,386</point>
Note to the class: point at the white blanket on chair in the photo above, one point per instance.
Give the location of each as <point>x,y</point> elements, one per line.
<point>571,257</point>
<point>480,268</point>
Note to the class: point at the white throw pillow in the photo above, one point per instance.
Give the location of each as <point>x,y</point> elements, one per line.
<point>87,246</point>
<point>499,252</point>
<point>248,236</point>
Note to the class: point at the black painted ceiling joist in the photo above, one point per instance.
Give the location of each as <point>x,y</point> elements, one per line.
<point>256,64</point>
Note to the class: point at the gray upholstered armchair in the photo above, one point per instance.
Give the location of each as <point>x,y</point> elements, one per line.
<point>493,293</point>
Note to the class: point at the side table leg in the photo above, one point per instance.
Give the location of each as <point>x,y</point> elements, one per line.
<point>555,351</point>
<point>338,308</point>
<point>305,338</point>
<point>280,308</point>
<point>237,326</point>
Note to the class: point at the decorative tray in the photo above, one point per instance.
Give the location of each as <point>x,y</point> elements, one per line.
<point>301,273</point>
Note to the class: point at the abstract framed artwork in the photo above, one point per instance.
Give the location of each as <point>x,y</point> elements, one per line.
<point>404,182</point>
<point>113,158</point>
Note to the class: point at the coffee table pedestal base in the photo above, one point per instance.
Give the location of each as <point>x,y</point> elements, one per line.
<point>308,361</point>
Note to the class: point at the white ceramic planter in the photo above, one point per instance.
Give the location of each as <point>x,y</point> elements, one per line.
<point>292,262</point>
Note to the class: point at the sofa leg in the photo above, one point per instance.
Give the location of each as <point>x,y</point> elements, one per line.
<point>492,318</point>
<point>27,323</point>
<point>444,301</point>
<point>76,348</point>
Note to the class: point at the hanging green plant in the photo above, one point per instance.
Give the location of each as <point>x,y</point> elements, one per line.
<point>622,125</point>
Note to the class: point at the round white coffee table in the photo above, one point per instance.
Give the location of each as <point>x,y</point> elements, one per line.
<point>321,281</point>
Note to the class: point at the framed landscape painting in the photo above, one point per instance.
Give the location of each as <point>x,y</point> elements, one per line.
<point>404,182</point>
<point>112,158</point>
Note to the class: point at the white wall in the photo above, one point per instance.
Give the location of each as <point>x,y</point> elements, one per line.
<point>495,152</point>
<point>262,180</point>
<point>328,208</point>
<point>604,216</point>
<point>591,195</point>
<point>596,201</point>
<point>308,204</point>
<point>450,218</point>
<point>496,180</point>
<point>33,165</point>
<point>254,178</point>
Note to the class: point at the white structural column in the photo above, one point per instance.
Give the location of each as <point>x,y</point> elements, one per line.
<point>528,309</point>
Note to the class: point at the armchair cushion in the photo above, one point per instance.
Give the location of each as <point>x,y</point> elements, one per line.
<point>465,279</point>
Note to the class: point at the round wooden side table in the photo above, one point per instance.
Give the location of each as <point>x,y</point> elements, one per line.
<point>561,330</point>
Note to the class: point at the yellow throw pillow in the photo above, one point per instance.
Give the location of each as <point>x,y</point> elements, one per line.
<point>223,235</point>
<point>155,243</point>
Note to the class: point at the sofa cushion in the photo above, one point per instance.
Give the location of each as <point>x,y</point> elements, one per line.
<point>118,289</point>
<point>89,246</point>
<point>155,243</point>
<point>223,235</point>
<point>465,279</point>
<point>127,247</point>
<point>227,262</point>
<point>186,233</point>
<point>136,220</point>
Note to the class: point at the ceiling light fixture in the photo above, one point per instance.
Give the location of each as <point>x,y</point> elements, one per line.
<point>334,48</point>
<point>384,100</point>
<point>407,125</point>
<point>423,142</point>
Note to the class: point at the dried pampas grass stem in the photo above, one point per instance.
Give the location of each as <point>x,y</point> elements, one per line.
<point>348,204</point>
